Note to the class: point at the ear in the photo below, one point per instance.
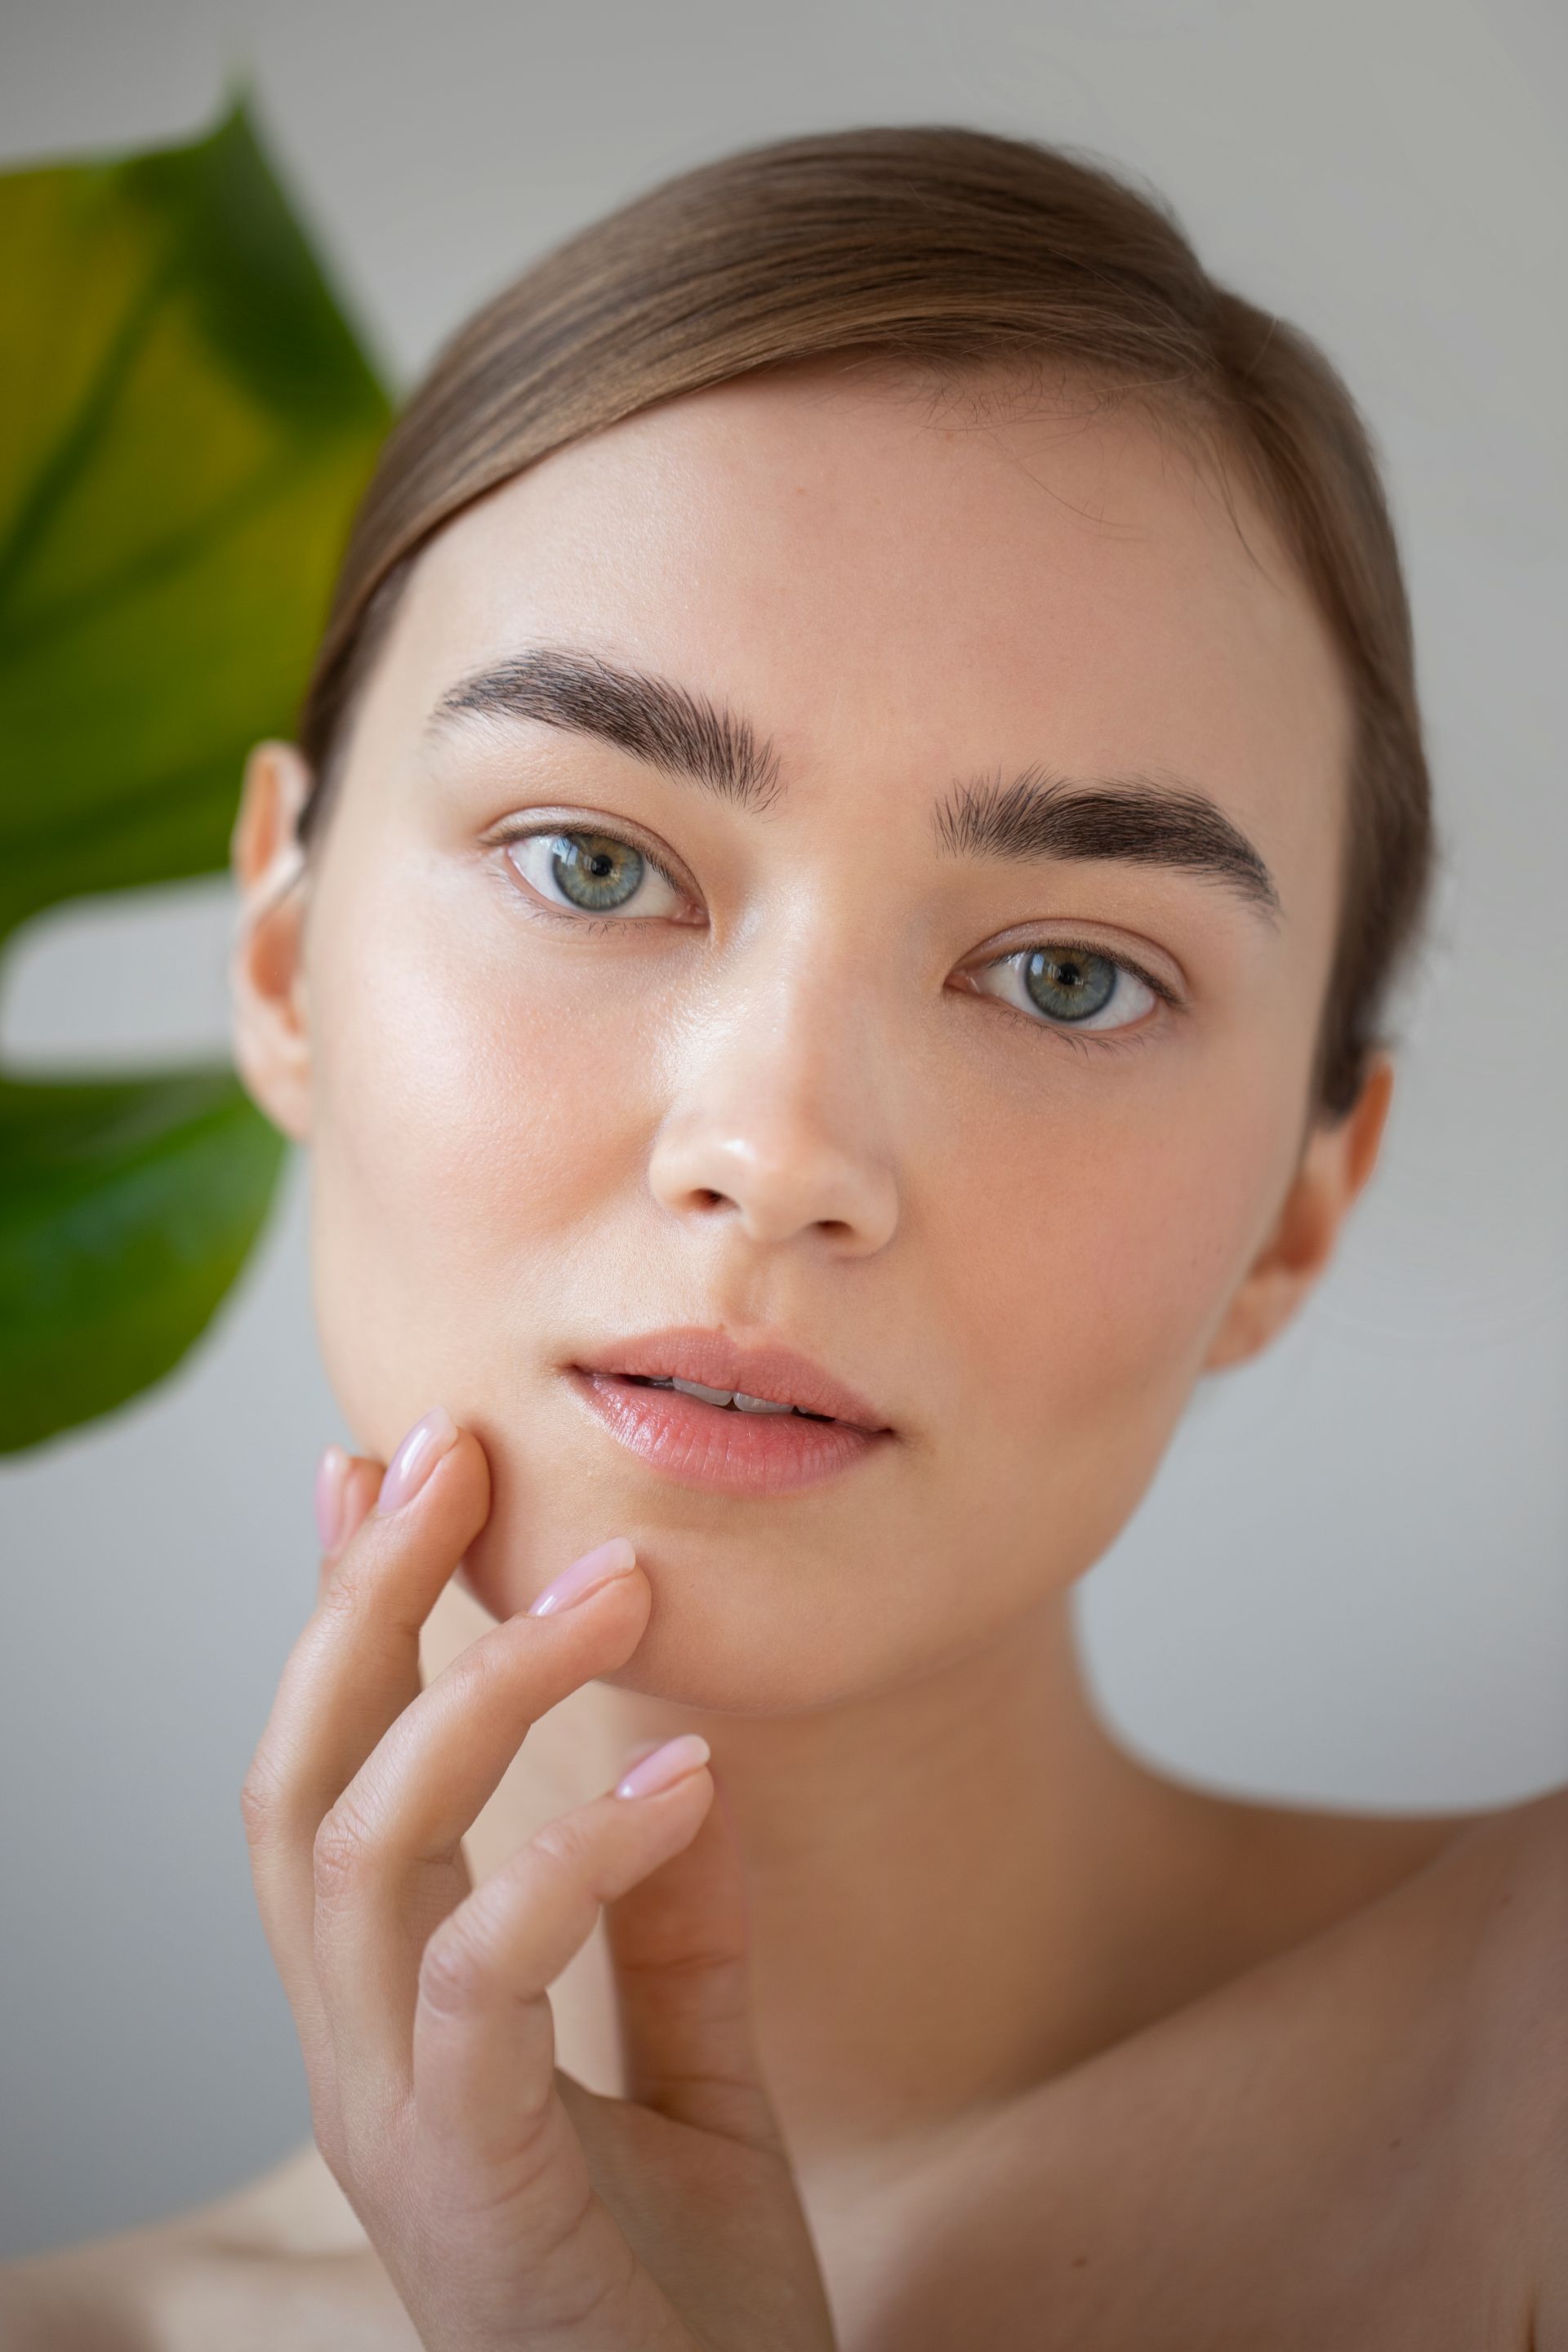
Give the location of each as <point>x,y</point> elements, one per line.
<point>1335,1163</point>
<point>271,1040</point>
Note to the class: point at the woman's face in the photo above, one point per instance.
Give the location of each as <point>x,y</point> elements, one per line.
<point>820,1033</point>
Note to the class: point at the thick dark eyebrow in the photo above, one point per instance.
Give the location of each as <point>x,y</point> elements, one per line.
<point>1035,817</point>
<point>665,724</point>
<point>1133,818</point>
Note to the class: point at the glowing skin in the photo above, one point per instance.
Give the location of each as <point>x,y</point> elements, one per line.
<point>784,1118</point>
<point>532,1136</point>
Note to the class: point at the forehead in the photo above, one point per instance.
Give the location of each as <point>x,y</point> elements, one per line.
<point>884,583</point>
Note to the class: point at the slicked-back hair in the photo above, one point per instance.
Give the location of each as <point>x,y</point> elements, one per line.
<point>967,255</point>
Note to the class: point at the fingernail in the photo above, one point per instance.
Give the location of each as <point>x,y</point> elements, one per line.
<point>665,1767</point>
<point>601,1566</point>
<point>332,1472</point>
<point>415,1459</point>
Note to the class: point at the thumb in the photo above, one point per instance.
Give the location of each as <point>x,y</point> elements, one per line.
<point>677,1943</point>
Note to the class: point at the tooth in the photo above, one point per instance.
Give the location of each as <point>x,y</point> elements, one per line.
<point>759,1405</point>
<point>696,1389</point>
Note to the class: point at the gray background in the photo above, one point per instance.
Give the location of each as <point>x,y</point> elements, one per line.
<point>1348,1582</point>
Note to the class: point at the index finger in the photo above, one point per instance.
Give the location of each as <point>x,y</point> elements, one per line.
<point>351,1673</point>
<point>356,1664</point>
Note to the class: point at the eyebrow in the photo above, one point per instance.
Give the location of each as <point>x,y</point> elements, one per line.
<point>1137,820</point>
<point>666,724</point>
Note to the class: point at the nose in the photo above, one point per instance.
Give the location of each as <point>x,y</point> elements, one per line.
<point>777,1125</point>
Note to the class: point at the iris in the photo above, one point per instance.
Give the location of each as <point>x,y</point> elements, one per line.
<point>1069,986</point>
<point>594,871</point>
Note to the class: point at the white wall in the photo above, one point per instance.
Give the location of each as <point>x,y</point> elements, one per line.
<point>1348,1583</point>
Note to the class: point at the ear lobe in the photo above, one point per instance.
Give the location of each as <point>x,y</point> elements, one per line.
<point>271,1041</point>
<point>1335,1164</point>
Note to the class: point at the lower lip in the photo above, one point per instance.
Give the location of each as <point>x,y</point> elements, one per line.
<point>721,1450</point>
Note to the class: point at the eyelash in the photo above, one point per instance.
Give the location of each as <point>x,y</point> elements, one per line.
<point>1091,1042</point>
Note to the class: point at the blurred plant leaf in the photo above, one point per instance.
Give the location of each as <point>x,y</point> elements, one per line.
<point>186,421</point>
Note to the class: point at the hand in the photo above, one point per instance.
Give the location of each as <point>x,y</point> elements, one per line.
<point>512,2207</point>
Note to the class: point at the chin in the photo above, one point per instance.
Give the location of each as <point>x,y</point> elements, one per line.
<point>734,1628</point>
<point>685,1669</point>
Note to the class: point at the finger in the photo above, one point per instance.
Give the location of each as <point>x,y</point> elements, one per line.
<point>346,1489</point>
<point>679,1945</point>
<point>352,1670</point>
<point>484,2085</point>
<point>387,1868</point>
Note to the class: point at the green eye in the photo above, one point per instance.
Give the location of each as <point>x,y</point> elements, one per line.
<point>1068,988</point>
<point>594,871</point>
<point>592,874</point>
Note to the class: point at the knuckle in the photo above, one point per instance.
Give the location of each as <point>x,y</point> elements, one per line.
<point>358,1604</point>
<point>347,1590</point>
<point>479,1670</point>
<point>502,1665</point>
<point>260,1794</point>
<point>453,1975</point>
<point>602,2304</point>
<point>342,1850</point>
<point>565,1845</point>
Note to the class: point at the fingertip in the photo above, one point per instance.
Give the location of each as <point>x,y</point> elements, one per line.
<point>331,1471</point>
<point>665,1767</point>
<point>360,1488</point>
<point>438,1456</point>
<point>352,1483</point>
<point>415,1459</point>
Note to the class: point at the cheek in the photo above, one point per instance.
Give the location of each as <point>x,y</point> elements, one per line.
<point>461,1129</point>
<point>1086,1294</point>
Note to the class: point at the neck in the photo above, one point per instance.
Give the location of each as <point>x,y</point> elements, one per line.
<point>954,1886</point>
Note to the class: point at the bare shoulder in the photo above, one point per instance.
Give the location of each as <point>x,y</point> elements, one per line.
<point>278,2262</point>
<point>1486,1893</point>
<point>1509,1875</point>
<point>1484,1917</point>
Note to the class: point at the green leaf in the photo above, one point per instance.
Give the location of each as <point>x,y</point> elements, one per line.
<point>187,421</point>
<point>127,1212</point>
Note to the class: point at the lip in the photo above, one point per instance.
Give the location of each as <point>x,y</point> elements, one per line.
<point>710,1446</point>
<point>717,1362</point>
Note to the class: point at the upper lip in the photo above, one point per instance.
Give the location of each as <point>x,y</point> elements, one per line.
<point>717,1362</point>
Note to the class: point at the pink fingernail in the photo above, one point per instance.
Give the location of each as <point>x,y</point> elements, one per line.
<point>332,1472</point>
<point>601,1566</point>
<point>415,1459</point>
<point>665,1767</point>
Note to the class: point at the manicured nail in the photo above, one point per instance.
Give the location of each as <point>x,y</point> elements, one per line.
<point>415,1459</point>
<point>331,1474</point>
<point>600,1566</point>
<point>665,1767</point>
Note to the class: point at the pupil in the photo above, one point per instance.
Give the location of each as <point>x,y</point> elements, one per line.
<point>1070,988</point>
<point>594,871</point>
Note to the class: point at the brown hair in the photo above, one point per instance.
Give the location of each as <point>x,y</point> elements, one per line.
<point>954,248</point>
